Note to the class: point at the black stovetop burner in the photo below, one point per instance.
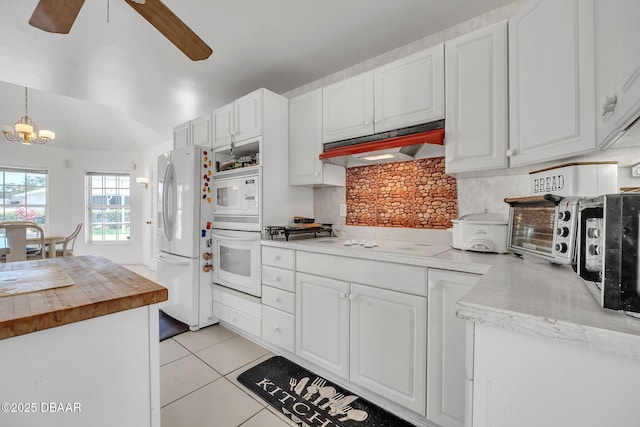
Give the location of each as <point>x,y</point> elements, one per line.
<point>274,231</point>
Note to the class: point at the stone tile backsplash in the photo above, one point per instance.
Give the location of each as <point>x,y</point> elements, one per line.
<point>413,194</point>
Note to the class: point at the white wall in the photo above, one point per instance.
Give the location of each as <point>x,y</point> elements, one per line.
<point>66,191</point>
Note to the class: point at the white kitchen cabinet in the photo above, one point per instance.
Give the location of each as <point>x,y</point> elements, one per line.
<point>240,120</point>
<point>237,309</point>
<point>352,326</point>
<point>278,297</point>
<point>198,131</point>
<point>551,81</point>
<point>406,92</point>
<point>447,358</point>
<point>201,133</point>
<point>533,379</point>
<point>388,344</point>
<point>305,144</point>
<point>409,91</point>
<point>322,322</point>
<point>223,126</point>
<point>617,67</point>
<point>477,128</point>
<point>347,108</point>
<point>182,135</point>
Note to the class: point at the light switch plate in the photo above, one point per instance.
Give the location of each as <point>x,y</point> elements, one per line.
<point>343,209</point>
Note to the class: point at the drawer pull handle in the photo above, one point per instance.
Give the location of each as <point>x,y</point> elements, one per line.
<point>276,299</point>
<point>276,329</point>
<point>276,257</point>
<point>276,278</point>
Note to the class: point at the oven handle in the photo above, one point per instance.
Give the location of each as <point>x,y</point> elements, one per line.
<point>159,257</point>
<point>237,239</point>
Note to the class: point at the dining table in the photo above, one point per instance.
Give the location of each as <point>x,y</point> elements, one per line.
<point>50,241</point>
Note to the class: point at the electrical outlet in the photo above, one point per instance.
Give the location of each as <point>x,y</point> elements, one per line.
<point>343,209</point>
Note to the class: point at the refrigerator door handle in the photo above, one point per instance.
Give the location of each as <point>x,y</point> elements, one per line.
<point>168,201</point>
<point>159,257</point>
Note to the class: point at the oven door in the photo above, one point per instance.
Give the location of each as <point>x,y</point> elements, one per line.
<point>237,193</point>
<point>532,226</point>
<point>237,261</point>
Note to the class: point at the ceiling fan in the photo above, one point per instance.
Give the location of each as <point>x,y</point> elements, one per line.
<point>57,16</point>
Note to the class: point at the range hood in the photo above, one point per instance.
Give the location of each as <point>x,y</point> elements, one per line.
<point>410,143</point>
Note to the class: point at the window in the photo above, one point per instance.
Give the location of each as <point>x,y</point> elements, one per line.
<point>23,195</point>
<point>108,206</point>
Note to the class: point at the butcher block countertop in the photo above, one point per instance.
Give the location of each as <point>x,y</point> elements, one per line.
<point>100,287</point>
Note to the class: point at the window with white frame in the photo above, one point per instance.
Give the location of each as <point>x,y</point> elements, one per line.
<point>23,195</point>
<point>108,206</point>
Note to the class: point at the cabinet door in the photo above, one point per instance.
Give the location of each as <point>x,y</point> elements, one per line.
<point>248,116</point>
<point>322,322</point>
<point>477,97</point>
<point>222,126</point>
<point>409,91</point>
<point>201,131</point>
<point>181,135</point>
<point>305,138</point>
<point>617,67</point>
<point>388,344</point>
<point>447,348</point>
<point>347,108</point>
<point>551,81</point>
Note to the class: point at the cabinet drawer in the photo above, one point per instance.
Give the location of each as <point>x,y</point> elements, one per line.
<point>278,257</point>
<point>278,278</point>
<point>396,277</point>
<point>278,328</point>
<point>277,298</point>
<point>237,318</point>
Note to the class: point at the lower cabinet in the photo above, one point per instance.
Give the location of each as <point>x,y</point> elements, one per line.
<point>449,360</point>
<point>374,337</point>
<point>240,310</point>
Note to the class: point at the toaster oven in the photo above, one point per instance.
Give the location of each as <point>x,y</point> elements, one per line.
<point>607,258</point>
<point>544,226</point>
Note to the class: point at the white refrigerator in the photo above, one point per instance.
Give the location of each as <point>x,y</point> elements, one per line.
<point>184,250</point>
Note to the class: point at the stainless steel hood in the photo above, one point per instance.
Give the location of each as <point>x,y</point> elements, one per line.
<point>410,143</point>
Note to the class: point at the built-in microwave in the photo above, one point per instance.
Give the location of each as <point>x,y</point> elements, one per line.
<point>237,199</point>
<point>544,226</point>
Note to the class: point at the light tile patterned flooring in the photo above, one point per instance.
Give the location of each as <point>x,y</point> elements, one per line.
<point>198,379</point>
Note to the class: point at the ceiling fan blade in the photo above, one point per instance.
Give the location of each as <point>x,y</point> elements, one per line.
<point>56,16</point>
<point>178,33</point>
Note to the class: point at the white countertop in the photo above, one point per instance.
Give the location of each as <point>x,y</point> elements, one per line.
<point>521,294</point>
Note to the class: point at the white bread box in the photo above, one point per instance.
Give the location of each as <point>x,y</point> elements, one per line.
<point>587,179</point>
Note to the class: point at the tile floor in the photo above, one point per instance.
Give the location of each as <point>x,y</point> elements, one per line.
<point>198,378</point>
<point>198,381</point>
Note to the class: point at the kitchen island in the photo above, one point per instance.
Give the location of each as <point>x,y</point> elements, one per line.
<point>84,354</point>
<point>540,350</point>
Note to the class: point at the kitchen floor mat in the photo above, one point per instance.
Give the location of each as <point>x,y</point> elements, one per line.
<point>310,400</point>
<point>170,327</point>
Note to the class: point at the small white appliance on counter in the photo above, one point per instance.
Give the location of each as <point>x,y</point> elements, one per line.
<point>480,232</point>
<point>184,253</point>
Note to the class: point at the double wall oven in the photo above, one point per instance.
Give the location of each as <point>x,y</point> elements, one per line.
<point>236,230</point>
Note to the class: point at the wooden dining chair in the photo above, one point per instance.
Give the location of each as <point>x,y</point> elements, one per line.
<point>69,242</point>
<point>15,241</point>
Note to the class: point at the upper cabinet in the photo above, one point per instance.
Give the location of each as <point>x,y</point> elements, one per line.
<point>403,93</point>
<point>617,67</point>
<point>305,144</point>
<point>476,125</point>
<point>239,120</point>
<point>182,135</point>
<point>198,132</point>
<point>551,81</point>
